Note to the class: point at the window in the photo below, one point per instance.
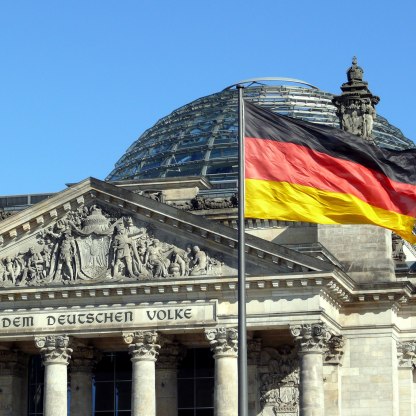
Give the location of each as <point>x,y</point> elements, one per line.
<point>196,383</point>
<point>112,385</point>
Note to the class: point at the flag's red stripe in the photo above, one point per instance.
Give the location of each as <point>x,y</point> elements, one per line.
<point>293,163</point>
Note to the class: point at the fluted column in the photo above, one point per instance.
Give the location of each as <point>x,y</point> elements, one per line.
<point>406,357</point>
<point>311,340</point>
<point>144,351</point>
<point>12,385</point>
<point>56,355</point>
<point>224,345</point>
<point>82,363</point>
<point>170,355</point>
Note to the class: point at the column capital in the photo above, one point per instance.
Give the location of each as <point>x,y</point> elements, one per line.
<point>406,354</point>
<point>223,341</point>
<point>311,338</point>
<point>54,349</point>
<point>12,363</point>
<point>142,345</point>
<point>335,350</point>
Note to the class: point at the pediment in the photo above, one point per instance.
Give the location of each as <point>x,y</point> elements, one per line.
<point>96,232</point>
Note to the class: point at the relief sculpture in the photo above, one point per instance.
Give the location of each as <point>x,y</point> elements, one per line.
<point>90,245</point>
<point>279,386</point>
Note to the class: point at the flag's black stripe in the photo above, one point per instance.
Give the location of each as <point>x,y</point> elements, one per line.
<point>398,165</point>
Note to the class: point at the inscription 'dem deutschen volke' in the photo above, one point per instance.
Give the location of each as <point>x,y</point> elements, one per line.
<point>109,318</point>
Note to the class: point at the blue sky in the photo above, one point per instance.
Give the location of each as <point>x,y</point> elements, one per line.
<point>81,80</point>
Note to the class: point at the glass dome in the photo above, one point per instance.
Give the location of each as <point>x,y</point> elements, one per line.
<point>200,138</point>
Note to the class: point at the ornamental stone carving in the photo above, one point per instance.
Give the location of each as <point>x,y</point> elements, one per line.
<point>223,341</point>
<point>312,338</point>
<point>335,350</point>
<point>142,345</point>
<point>356,105</point>
<point>203,203</point>
<point>406,354</point>
<point>94,245</point>
<point>54,349</point>
<point>279,381</point>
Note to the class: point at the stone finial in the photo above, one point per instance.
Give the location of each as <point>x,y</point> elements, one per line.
<point>355,72</point>
<point>356,105</point>
<point>54,349</point>
<point>311,337</point>
<point>142,345</point>
<point>406,354</point>
<point>223,341</point>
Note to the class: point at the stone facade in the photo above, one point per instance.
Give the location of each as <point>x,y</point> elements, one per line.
<point>100,268</point>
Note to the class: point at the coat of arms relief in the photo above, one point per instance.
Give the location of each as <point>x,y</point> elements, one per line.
<point>92,244</point>
<point>279,381</point>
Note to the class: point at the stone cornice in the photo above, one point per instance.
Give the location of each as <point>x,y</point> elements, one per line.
<point>334,286</point>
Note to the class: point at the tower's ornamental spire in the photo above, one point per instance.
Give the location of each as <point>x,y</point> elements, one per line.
<point>355,72</point>
<point>356,105</point>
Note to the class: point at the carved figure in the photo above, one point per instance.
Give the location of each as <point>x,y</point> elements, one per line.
<point>124,250</point>
<point>34,268</point>
<point>199,262</point>
<point>156,260</point>
<point>66,258</point>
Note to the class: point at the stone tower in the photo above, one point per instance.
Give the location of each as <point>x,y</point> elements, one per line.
<point>356,105</point>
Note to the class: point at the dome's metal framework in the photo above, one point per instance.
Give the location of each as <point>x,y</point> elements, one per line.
<point>200,138</point>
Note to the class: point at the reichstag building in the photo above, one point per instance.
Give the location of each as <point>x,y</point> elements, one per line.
<point>118,297</point>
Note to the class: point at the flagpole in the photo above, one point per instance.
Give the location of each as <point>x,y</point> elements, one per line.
<point>242,327</point>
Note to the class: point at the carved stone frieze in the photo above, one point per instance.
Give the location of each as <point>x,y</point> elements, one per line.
<point>279,381</point>
<point>54,349</point>
<point>406,354</point>
<point>223,341</point>
<point>142,345</point>
<point>12,363</point>
<point>311,337</point>
<point>203,203</point>
<point>91,244</point>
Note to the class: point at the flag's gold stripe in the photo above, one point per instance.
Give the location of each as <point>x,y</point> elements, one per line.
<point>291,202</point>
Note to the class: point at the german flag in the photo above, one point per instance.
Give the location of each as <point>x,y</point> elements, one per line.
<point>300,171</point>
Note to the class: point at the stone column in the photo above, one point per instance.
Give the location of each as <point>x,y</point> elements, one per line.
<point>406,357</point>
<point>56,356</point>
<point>332,376</point>
<point>311,340</point>
<point>12,385</point>
<point>82,363</point>
<point>167,378</point>
<point>144,351</point>
<point>224,345</point>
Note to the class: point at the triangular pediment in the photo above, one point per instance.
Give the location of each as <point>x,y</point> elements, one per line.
<point>95,232</point>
